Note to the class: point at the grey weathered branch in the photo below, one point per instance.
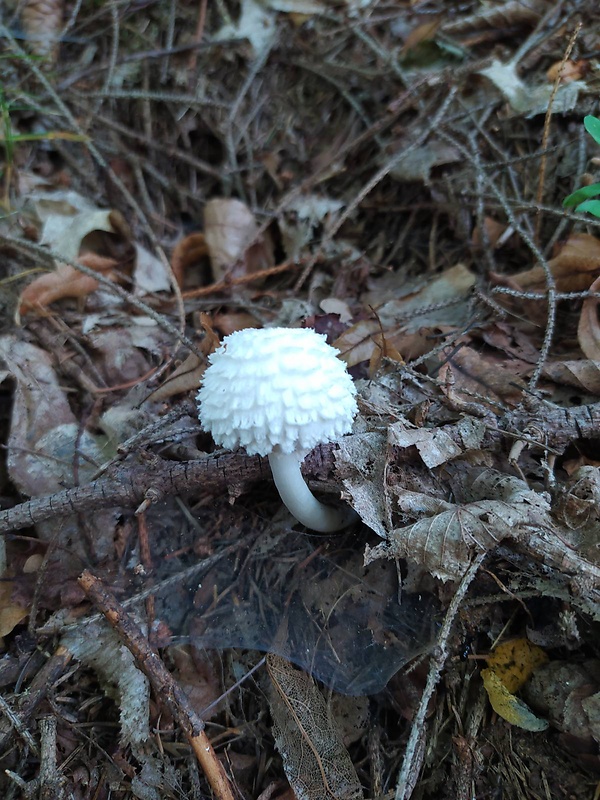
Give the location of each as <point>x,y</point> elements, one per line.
<point>130,484</point>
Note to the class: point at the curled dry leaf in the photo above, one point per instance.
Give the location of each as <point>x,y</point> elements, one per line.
<point>568,71</point>
<point>446,535</point>
<point>187,252</point>
<point>584,375</point>
<point>42,23</point>
<point>231,232</point>
<point>508,706</point>
<point>588,330</point>
<point>65,281</point>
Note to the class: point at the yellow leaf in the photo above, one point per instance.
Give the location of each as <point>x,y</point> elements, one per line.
<point>514,661</point>
<point>508,706</point>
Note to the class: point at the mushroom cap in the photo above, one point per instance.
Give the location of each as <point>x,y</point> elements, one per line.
<point>276,390</point>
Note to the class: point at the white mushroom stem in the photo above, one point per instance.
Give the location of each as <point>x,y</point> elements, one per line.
<point>299,499</point>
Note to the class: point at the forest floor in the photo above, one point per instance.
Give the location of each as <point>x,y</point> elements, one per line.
<point>392,175</point>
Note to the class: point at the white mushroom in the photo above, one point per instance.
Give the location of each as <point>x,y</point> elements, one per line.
<point>279,392</point>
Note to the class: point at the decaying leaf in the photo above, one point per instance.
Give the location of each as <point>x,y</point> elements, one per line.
<point>588,330</point>
<point>568,70</point>
<point>417,305</point>
<point>186,377</point>
<point>514,661</point>
<point>509,667</point>
<point>583,374</point>
<point>230,233</point>
<point>574,268</point>
<point>256,23</point>
<point>46,446</point>
<point>435,446</point>
<point>361,464</point>
<point>508,706</point>
<point>11,613</point>
<point>65,281</point>
<point>447,535</point>
<point>568,694</point>
<point>300,218</point>
<point>186,252</point>
<point>315,760</point>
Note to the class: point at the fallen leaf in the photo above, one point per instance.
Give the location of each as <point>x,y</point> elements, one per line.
<point>588,330</point>
<point>65,281</point>
<point>568,70</point>
<point>568,693</point>
<point>583,374</point>
<point>574,268</point>
<point>255,23</point>
<point>515,660</point>
<point>509,707</point>
<point>230,233</point>
<point>315,760</point>
<point>186,252</point>
<point>11,614</point>
<point>300,219</point>
<point>528,100</point>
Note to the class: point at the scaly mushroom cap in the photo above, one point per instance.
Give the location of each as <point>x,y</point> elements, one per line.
<point>276,390</point>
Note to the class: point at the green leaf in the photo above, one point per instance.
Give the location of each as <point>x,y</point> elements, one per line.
<point>591,206</point>
<point>592,126</point>
<point>581,194</point>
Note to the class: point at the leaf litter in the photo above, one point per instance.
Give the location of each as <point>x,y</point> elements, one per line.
<point>397,183</point>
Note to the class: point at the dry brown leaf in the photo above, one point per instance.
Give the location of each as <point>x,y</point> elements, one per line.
<point>568,71</point>
<point>42,23</point>
<point>186,252</point>
<point>230,232</point>
<point>65,281</point>
<point>588,330</point>
<point>569,695</point>
<point>315,760</point>
<point>47,449</point>
<point>195,672</point>
<point>469,373</point>
<point>187,376</point>
<point>574,268</point>
<point>583,374</point>
<point>424,32</point>
<point>10,613</point>
<point>493,231</point>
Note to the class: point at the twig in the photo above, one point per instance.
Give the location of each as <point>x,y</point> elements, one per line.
<point>167,691</point>
<point>44,679</point>
<point>546,133</point>
<point>413,756</point>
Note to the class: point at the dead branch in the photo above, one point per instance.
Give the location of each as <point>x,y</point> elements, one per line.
<point>129,486</point>
<point>166,690</point>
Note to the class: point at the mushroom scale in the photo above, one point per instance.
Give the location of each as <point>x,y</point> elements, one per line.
<point>280,392</point>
